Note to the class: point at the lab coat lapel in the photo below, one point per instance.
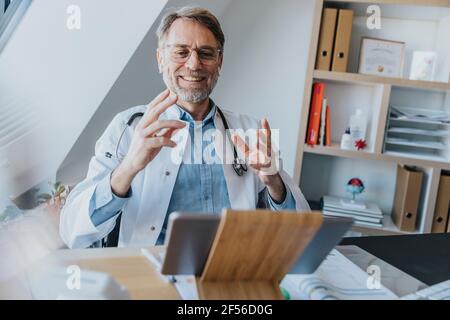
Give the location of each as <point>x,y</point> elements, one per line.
<point>157,185</point>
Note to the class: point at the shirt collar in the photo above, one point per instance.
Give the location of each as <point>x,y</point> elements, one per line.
<point>185,116</point>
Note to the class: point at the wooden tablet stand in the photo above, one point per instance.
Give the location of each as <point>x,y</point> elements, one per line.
<point>253,251</point>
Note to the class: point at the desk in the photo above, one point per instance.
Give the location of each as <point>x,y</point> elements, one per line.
<point>423,256</point>
<point>127,265</point>
<point>426,257</point>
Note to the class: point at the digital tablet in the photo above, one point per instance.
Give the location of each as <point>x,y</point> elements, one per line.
<point>188,241</point>
<point>190,237</point>
<point>330,234</point>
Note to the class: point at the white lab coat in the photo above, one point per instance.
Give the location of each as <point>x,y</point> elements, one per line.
<point>144,213</point>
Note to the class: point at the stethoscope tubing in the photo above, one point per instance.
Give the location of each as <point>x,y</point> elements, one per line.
<point>239,166</point>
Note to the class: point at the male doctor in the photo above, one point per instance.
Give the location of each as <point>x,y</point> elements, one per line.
<point>134,173</point>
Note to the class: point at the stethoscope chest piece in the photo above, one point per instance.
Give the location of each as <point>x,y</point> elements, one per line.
<point>239,167</point>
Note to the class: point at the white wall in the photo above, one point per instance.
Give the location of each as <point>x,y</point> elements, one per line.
<point>265,64</point>
<point>443,50</point>
<point>138,84</point>
<point>62,76</point>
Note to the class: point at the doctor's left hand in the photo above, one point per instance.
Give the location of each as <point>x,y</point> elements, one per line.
<point>263,160</point>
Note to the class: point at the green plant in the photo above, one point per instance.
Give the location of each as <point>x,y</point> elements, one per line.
<point>58,192</point>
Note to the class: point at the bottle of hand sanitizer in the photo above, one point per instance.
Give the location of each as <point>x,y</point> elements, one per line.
<point>358,124</point>
<point>346,141</point>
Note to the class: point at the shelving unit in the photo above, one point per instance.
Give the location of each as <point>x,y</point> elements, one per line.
<point>322,170</point>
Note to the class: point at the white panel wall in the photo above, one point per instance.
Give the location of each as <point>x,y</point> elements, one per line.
<point>443,50</point>
<point>265,64</point>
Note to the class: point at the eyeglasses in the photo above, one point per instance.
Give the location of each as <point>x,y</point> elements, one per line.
<point>181,54</point>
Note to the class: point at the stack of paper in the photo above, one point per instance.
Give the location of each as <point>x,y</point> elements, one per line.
<point>419,133</point>
<point>336,278</point>
<point>371,215</point>
<point>425,115</point>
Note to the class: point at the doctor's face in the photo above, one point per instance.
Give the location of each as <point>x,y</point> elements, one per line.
<point>190,60</point>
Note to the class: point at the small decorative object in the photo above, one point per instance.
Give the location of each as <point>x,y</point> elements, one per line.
<point>354,186</point>
<point>381,57</point>
<point>360,144</point>
<point>423,65</point>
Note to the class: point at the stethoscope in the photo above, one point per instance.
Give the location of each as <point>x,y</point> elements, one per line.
<point>239,165</point>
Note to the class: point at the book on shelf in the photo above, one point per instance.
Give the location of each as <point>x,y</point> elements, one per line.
<point>370,208</point>
<point>337,278</point>
<point>328,127</point>
<point>319,118</point>
<point>369,214</point>
<point>355,216</point>
<point>315,112</point>
<point>368,224</point>
<point>323,123</point>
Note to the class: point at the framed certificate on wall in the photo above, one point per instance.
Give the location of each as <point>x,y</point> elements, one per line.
<point>381,57</point>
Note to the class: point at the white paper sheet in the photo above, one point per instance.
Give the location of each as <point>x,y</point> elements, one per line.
<point>336,278</point>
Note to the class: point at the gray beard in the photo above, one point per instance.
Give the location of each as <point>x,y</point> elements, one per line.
<point>192,96</point>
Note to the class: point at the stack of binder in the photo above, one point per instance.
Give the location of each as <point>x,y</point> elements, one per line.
<point>334,40</point>
<point>370,216</point>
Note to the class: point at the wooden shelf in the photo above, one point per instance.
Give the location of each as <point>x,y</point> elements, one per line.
<point>335,151</point>
<point>357,78</point>
<point>433,3</point>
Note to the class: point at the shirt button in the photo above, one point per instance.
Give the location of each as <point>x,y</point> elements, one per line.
<point>167,173</point>
<point>152,228</point>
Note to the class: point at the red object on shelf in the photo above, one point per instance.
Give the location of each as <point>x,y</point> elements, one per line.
<point>360,144</point>
<point>315,113</point>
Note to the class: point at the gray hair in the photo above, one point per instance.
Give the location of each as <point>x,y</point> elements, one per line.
<point>200,15</point>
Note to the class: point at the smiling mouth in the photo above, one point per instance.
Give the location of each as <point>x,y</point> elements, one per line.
<point>192,79</point>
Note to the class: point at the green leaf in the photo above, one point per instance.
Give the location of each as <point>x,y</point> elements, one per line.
<point>44,196</point>
<point>57,185</point>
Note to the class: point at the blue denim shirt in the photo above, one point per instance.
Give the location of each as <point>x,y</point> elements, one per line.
<point>200,186</point>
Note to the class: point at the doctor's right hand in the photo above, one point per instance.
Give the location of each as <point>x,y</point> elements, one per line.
<point>150,136</point>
